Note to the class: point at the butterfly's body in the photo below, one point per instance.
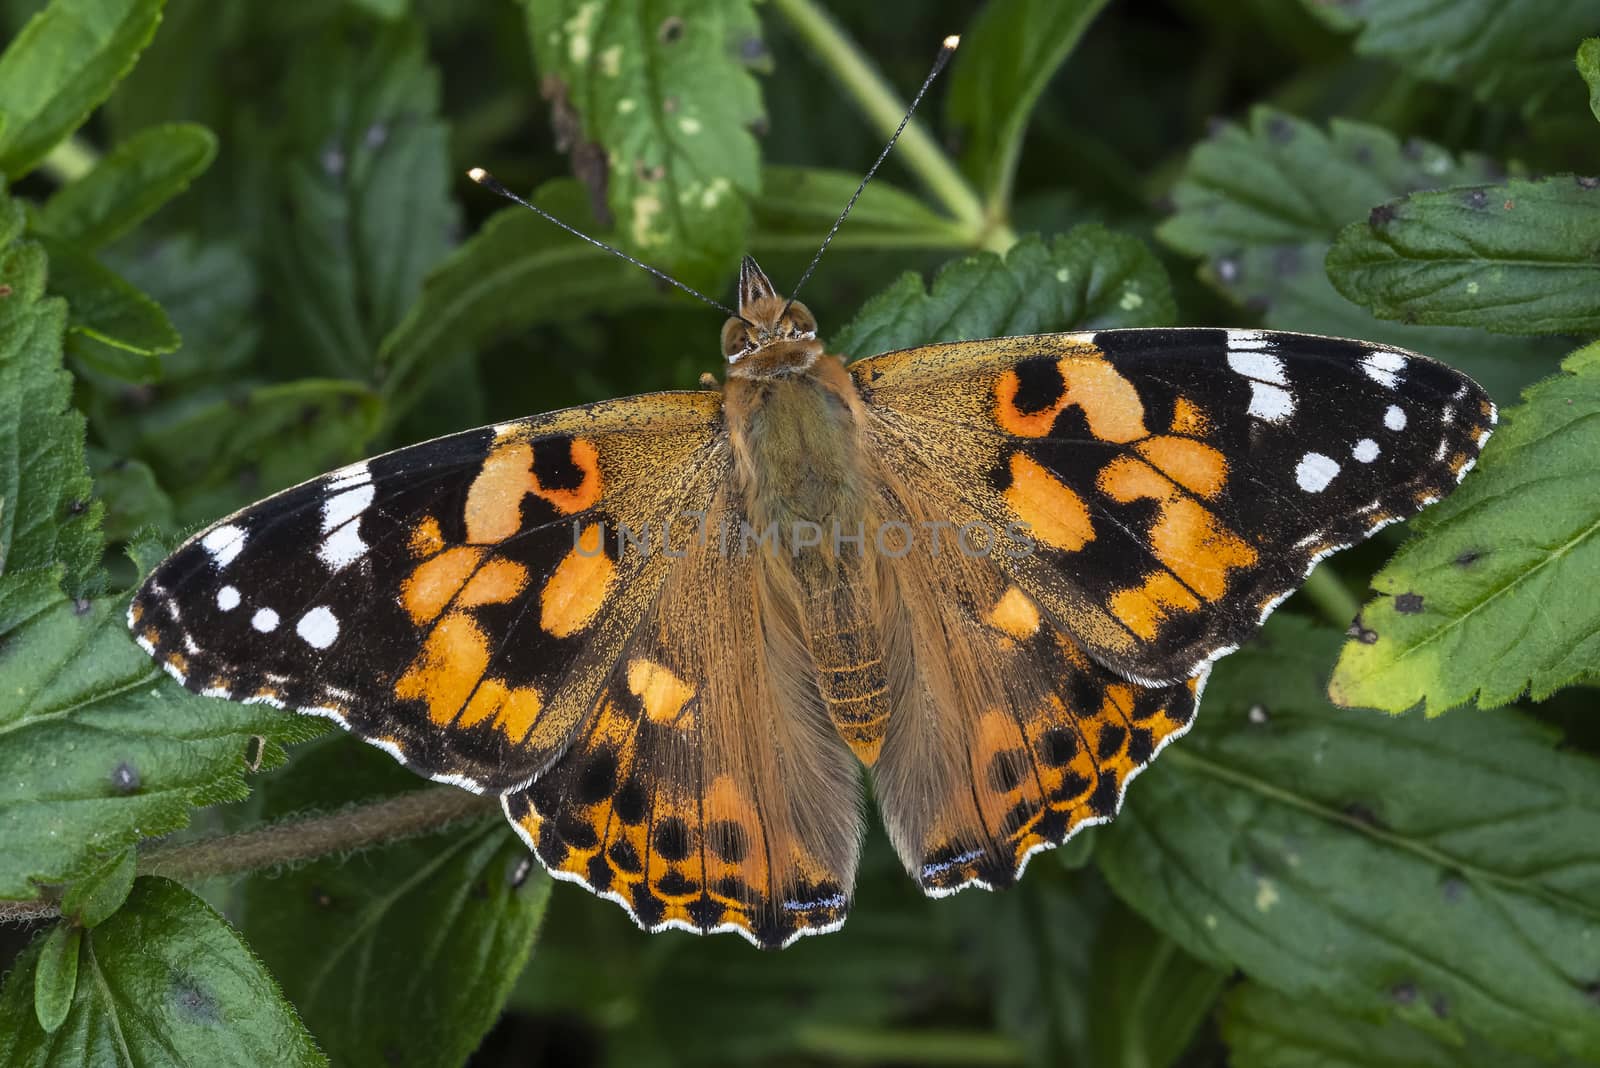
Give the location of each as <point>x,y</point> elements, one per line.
<point>992,575</point>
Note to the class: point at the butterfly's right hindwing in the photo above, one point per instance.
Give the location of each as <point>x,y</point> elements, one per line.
<point>453,602</point>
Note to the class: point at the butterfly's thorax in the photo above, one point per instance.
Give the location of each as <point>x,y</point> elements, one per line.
<point>802,469</point>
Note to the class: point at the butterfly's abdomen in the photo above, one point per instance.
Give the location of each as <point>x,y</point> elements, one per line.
<point>804,476</point>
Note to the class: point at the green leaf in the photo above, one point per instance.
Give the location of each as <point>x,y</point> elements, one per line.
<point>63,64</point>
<point>1034,954</point>
<point>367,182</point>
<point>1265,1029</point>
<point>663,93</point>
<point>517,271</point>
<point>209,290</point>
<point>1348,859</point>
<point>1007,57</point>
<point>132,498</point>
<point>47,521</point>
<point>94,896</point>
<point>218,449</point>
<point>56,980</point>
<point>164,981</point>
<point>128,185</point>
<point>1589,67</point>
<point>1514,55</point>
<point>124,329</point>
<point>1515,258</point>
<point>1492,597</point>
<point>1090,278</point>
<point>1148,996</point>
<point>798,204</point>
<point>406,956</point>
<point>1263,204</point>
<point>98,749</point>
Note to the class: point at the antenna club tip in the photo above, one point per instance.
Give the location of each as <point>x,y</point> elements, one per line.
<point>952,42</point>
<point>477,174</point>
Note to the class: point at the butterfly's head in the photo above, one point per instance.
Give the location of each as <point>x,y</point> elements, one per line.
<point>770,336</point>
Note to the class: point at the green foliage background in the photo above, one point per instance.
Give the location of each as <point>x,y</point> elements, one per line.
<point>237,249</point>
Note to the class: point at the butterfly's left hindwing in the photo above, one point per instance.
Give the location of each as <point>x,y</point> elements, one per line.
<point>454,602</point>
<point>1176,484</point>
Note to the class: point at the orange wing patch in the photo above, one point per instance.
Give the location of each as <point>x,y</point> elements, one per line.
<point>1055,514</point>
<point>575,592</point>
<point>510,473</point>
<point>1109,402</point>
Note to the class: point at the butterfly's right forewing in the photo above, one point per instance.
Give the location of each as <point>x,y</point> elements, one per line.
<point>456,602</point>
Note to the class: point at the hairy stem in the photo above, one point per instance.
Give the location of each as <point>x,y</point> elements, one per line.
<point>884,108</point>
<point>290,841</point>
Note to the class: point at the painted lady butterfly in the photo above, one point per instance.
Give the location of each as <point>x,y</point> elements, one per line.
<point>670,631</point>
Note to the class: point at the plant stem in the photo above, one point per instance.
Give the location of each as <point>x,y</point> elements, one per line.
<point>406,815</point>
<point>884,108</point>
<point>1336,603</point>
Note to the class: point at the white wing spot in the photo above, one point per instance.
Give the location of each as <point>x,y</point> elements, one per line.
<point>1269,402</point>
<point>345,477</point>
<point>1384,367</point>
<point>264,620</point>
<point>319,627</point>
<point>1366,450</point>
<point>227,598</point>
<point>224,544</point>
<point>1394,418</point>
<point>1259,365</point>
<point>1315,471</point>
<point>1248,339</point>
<point>342,548</point>
<point>343,507</point>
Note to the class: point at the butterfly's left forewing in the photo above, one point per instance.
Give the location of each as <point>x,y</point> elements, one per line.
<point>1134,503</point>
<point>1176,484</point>
<point>455,602</point>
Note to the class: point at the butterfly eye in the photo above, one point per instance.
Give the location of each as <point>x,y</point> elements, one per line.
<point>735,340</point>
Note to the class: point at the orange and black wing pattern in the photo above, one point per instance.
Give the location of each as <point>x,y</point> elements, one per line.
<point>1177,483</point>
<point>706,789</point>
<point>457,603</point>
<point>1119,509</point>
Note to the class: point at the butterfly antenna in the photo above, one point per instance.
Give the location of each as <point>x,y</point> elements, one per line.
<point>491,183</point>
<point>946,50</point>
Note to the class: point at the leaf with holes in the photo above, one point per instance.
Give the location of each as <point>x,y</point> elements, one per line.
<point>1515,258</point>
<point>1332,855</point>
<point>1493,596</point>
<point>406,957</point>
<point>1263,203</point>
<point>1515,55</point>
<point>656,102</point>
<point>164,981</point>
<point>1089,278</point>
